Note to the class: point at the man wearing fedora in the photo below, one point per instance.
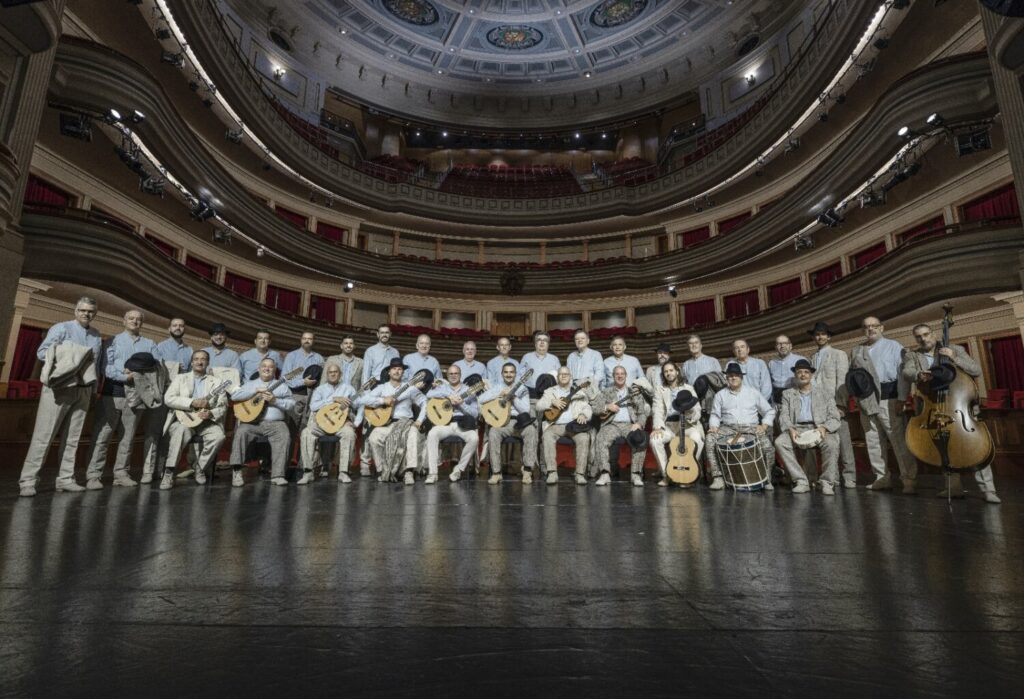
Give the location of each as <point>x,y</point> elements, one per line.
<point>807,408</point>
<point>396,445</point>
<point>830,368</point>
<point>221,356</point>
<point>664,354</point>
<point>873,380</point>
<point>627,422</point>
<point>918,367</point>
<point>738,409</point>
<point>676,408</point>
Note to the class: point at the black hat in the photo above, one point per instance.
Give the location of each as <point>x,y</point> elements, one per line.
<point>942,376</point>
<point>637,439</point>
<point>141,362</point>
<point>733,368</point>
<point>255,375</point>
<point>395,362</point>
<point>663,347</point>
<point>544,382</point>
<point>314,372</point>
<point>218,328</point>
<point>472,380</point>
<point>384,378</point>
<point>523,420</point>
<point>803,364</point>
<point>683,401</point>
<point>702,385</point>
<point>860,383</point>
<point>426,379</point>
<point>820,327</point>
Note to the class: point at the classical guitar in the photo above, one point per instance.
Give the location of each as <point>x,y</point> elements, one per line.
<point>440,411</point>
<point>553,413</point>
<point>190,418</point>
<point>251,409</point>
<point>498,411</point>
<point>332,417</point>
<point>381,415</point>
<point>682,467</point>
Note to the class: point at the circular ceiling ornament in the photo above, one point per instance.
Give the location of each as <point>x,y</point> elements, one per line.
<point>418,12</point>
<point>514,37</point>
<point>615,13</point>
<point>280,40</point>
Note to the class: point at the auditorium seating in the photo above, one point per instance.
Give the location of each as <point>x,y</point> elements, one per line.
<point>629,172</point>
<point>716,138</point>
<point>390,168</point>
<point>310,132</point>
<point>529,181</point>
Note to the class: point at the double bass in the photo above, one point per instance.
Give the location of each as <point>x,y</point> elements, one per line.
<point>944,431</point>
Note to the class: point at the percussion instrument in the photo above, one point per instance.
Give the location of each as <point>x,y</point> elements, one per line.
<point>743,463</point>
<point>808,439</point>
<point>250,410</point>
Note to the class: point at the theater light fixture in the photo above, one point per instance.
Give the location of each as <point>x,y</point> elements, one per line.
<point>934,119</point>
<point>973,141</point>
<point>278,72</point>
<point>830,218</point>
<point>175,59</point>
<point>137,117</point>
<point>348,286</point>
<point>152,185</point>
<point>202,211</point>
<point>223,235</point>
<point>234,136</point>
<point>163,33</point>
<point>113,116</point>
<point>673,291</point>
<point>751,79</point>
<point>76,126</point>
<point>803,242</point>
<point>906,132</point>
<point>260,251</point>
<point>870,198</point>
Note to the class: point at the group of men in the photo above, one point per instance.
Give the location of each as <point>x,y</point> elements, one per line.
<point>791,406</point>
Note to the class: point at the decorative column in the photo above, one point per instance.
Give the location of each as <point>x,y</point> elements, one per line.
<point>1001,37</point>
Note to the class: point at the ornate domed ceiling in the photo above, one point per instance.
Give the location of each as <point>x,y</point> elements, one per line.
<point>384,52</point>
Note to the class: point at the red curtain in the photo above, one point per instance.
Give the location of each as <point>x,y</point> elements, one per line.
<point>999,203</point>
<point>240,285</point>
<point>695,236</point>
<point>1007,362</point>
<point>203,269</point>
<point>742,304</point>
<point>698,313</point>
<point>23,363</point>
<point>165,248</point>
<point>824,277</point>
<point>866,257</point>
<point>784,291</point>
<point>928,229</point>
<point>291,217</point>
<point>322,308</point>
<point>733,223</point>
<point>282,299</point>
<point>326,230</point>
<point>40,191</point>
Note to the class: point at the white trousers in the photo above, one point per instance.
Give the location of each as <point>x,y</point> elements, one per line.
<point>695,433</point>
<point>884,428</point>
<point>439,432</point>
<point>178,436</point>
<point>113,416</point>
<point>60,412</point>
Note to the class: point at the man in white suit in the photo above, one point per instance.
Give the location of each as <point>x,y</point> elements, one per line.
<point>830,368</point>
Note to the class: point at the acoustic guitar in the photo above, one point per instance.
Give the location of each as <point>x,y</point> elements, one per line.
<point>682,467</point>
<point>190,418</point>
<point>440,411</point>
<point>381,415</point>
<point>250,410</point>
<point>332,417</point>
<point>498,411</point>
<point>553,413</point>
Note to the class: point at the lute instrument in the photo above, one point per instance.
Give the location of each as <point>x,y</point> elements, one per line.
<point>190,418</point>
<point>553,413</point>
<point>498,411</point>
<point>381,415</point>
<point>440,411</point>
<point>332,417</point>
<point>606,415</point>
<point>251,409</point>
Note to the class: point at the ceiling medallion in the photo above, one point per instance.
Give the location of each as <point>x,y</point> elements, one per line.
<point>614,13</point>
<point>419,12</point>
<point>514,37</point>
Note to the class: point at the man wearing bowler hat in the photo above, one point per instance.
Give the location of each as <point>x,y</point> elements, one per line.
<point>738,409</point>
<point>396,446</point>
<point>808,408</point>
<point>221,356</point>
<point>830,368</point>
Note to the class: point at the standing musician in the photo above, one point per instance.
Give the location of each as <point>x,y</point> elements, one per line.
<point>670,395</point>
<point>190,392</point>
<point>876,389</point>
<point>496,364</point>
<point>221,356</point>
<point>463,425</point>
<point>780,367</point>
<point>177,357</point>
<point>830,368</point>
<point>619,358</point>
<point>627,422</point>
<point>468,364</point>
<point>755,371</point>
<point>174,349</point>
<point>699,363</point>
<point>574,422</point>
<point>249,361</point>
<point>334,390</point>
<point>271,424</point>
<point>664,354</point>
<point>917,365</point>
<point>376,360</point>
<point>421,359</point>
<point>351,366</point>
<point>809,407</point>
<point>736,410</point>
<point>396,446</point>
<point>542,364</point>
<point>71,351</point>
<point>521,424</point>
<point>585,363</point>
<point>302,384</point>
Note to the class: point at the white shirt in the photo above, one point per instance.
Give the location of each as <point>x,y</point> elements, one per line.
<point>742,407</point>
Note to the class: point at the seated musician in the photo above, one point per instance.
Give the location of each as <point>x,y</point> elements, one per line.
<point>736,410</point>
<point>574,422</point>
<point>270,424</point>
<point>190,392</point>
<point>627,422</point>
<point>521,424</point>
<point>396,445</point>
<point>333,390</point>
<point>675,407</point>
<point>809,407</point>
<point>463,425</point>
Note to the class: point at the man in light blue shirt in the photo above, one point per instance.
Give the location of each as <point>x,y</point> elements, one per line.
<point>585,363</point>
<point>334,390</point>
<point>495,364</point>
<point>699,363</point>
<point>302,358</point>
<point>221,356</point>
<point>464,407</point>
<point>174,349</point>
<point>177,356</point>
<point>468,364</point>
<point>780,367</point>
<point>379,355</point>
<point>755,371</point>
<point>421,359</point>
<point>249,361</point>
<point>62,410</point>
<point>739,409</point>
<point>619,357</point>
<point>270,424</point>
<point>540,361</point>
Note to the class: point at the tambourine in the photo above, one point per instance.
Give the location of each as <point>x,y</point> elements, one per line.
<point>808,439</point>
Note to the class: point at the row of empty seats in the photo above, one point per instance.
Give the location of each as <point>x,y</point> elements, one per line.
<point>493,264</point>
<point>390,168</point>
<point>310,132</point>
<point>511,181</point>
<point>630,171</point>
<point>716,138</point>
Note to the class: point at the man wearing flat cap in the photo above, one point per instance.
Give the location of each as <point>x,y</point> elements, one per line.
<point>664,354</point>
<point>738,409</point>
<point>809,408</point>
<point>830,367</point>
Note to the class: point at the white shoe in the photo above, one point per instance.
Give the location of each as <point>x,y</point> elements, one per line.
<point>495,479</point>
<point>882,483</point>
<point>409,478</point>
<point>237,480</point>
<point>430,479</point>
<point>827,488</point>
<point>344,477</point>
<point>801,487</point>
<point>551,478</point>
<point>307,477</point>
<point>69,487</point>
<point>580,479</point>
<point>94,484</point>
<point>527,477</point>
<point>769,486</point>
<point>279,481</point>
<point>125,481</point>
<point>717,483</point>
<point>638,480</point>
<point>992,498</point>
<point>187,473</point>
<point>146,477</point>
<point>167,482</point>
<point>200,478</point>
<point>663,483</point>
<point>27,491</point>
<point>455,475</point>
<point>849,482</point>
<point>604,479</point>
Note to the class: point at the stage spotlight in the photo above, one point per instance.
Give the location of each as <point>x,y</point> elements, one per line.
<point>792,145</point>
<point>137,117</point>
<point>934,119</point>
<point>830,218</point>
<point>113,116</point>
<point>871,198</point>
<point>803,242</point>
<point>973,141</point>
<point>905,132</point>
<point>260,251</point>
<point>76,126</point>
<point>163,33</point>
<point>348,286</point>
<point>175,59</point>
<point>673,291</point>
<point>202,211</point>
<point>223,235</point>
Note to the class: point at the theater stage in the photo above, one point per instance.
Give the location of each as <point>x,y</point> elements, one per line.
<point>373,589</point>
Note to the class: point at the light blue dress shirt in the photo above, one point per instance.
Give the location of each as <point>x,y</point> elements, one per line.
<point>468,407</point>
<point>756,376</point>
<point>376,358</point>
<point>740,408</point>
<point>170,350</point>
<point>417,362</point>
<point>275,412</point>
<point>630,363</point>
<point>805,414</point>
<point>887,356</point>
<point>694,368</point>
<point>494,365</point>
<point>119,349</point>
<point>587,365</point>
<point>326,393</point>
<point>223,358</point>
<point>478,368</point>
<point>540,365</point>
<point>403,406</point>
<point>249,362</point>
<point>70,331</point>
<point>781,370</point>
<point>297,358</point>
<point>520,401</point>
